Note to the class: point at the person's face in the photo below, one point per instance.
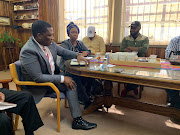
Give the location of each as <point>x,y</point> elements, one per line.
<point>73,34</point>
<point>134,30</point>
<point>46,38</point>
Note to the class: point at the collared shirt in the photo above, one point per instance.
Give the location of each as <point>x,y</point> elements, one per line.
<point>46,51</point>
<point>95,45</point>
<point>142,42</point>
<point>174,46</point>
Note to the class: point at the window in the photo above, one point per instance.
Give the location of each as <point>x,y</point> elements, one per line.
<point>160,19</point>
<point>85,13</point>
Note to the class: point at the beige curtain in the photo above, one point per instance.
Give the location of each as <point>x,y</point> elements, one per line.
<point>116,21</point>
<point>61,30</point>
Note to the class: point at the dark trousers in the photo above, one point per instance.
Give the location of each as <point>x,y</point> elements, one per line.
<point>174,97</point>
<point>130,87</point>
<point>81,90</point>
<point>26,108</point>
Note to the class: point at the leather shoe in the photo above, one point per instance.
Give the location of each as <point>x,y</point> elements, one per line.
<point>80,123</point>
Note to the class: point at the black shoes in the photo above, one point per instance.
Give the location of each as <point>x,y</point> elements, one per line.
<point>80,123</point>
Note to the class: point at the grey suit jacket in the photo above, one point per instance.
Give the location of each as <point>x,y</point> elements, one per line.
<point>35,66</point>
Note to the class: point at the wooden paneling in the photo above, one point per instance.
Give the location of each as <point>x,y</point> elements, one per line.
<point>6,10</point>
<point>48,11</point>
<point>160,52</point>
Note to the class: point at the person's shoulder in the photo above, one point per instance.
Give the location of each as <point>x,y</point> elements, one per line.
<point>127,37</point>
<point>176,39</point>
<point>85,38</point>
<point>65,41</point>
<point>143,37</point>
<point>99,37</point>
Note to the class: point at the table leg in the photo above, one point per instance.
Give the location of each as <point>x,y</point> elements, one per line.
<point>108,95</point>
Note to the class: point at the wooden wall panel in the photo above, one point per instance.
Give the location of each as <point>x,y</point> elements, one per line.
<point>160,52</point>
<point>48,11</point>
<point>5,10</point>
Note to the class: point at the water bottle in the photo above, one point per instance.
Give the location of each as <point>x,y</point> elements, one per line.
<point>105,62</point>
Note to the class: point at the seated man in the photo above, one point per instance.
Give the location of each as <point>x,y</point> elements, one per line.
<point>93,41</point>
<point>135,42</point>
<point>26,108</point>
<point>38,63</point>
<point>173,94</point>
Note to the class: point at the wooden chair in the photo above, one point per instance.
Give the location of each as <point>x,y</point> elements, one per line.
<point>5,84</point>
<point>15,69</point>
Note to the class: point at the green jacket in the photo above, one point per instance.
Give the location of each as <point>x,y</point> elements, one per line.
<point>142,42</point>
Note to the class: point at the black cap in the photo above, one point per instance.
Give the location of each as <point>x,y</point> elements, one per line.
<point>135,24</point>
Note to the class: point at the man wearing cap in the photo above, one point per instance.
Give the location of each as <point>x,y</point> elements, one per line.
<point>135,42</point>
<point>93,41</point>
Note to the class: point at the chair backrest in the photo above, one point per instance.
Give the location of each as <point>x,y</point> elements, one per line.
<point>18,70</point>
<point>16,74</point>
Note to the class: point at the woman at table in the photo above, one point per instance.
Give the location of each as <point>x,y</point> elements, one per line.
<point>77,46</point>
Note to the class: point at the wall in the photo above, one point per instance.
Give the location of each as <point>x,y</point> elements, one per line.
<point>48,11</point>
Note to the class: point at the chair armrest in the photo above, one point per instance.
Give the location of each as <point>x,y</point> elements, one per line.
<point>17,82</point>
<point>6,81</point>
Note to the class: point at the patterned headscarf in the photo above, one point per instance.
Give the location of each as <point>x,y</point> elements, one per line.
<point>70,26</point>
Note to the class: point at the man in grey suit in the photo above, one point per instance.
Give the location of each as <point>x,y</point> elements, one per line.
<point>38,64</point>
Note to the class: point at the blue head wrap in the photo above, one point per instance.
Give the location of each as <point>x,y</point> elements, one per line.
<point>70,26</point>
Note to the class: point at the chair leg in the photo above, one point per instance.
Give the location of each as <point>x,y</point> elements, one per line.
<point>58,114</point>
<point>16,122</point>
<point>141,88</point>
<point>119,88</point>
<point>65,103</point>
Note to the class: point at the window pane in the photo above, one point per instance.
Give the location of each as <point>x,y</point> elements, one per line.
<point>85,13</point>
<point>161,25</point>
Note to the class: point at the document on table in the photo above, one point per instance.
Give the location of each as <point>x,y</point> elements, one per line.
<point>6,105</point>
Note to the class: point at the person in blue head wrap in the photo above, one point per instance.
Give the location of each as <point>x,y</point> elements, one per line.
<point>77,46</point>
<point>73,44</point>
<point>70,26</point>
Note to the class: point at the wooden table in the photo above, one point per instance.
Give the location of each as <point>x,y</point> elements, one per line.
<point>160,78</point>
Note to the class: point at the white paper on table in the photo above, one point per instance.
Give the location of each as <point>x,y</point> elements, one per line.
<point>6,105</point>
<point>110,65</point>
<point>88,58</point>
<point>74,62</point>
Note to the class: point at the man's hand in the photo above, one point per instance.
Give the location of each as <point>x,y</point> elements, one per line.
<point>2,97</point>
<point>84,53</point>
<point>135,49</point>
<point>69,82</point>
<point>81,58</point>
<point>127,50</point>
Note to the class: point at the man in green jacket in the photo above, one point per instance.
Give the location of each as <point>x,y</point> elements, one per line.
<point>135,42</point>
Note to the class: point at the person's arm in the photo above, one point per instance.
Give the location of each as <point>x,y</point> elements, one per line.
<point>84,48</point>
<point>170,47</point>
<point>69,54</point>
<point>143,49</point>
<point>2,97</point>
<point>123,47</point>
<point>29,59</point>
<point>102,46</point>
